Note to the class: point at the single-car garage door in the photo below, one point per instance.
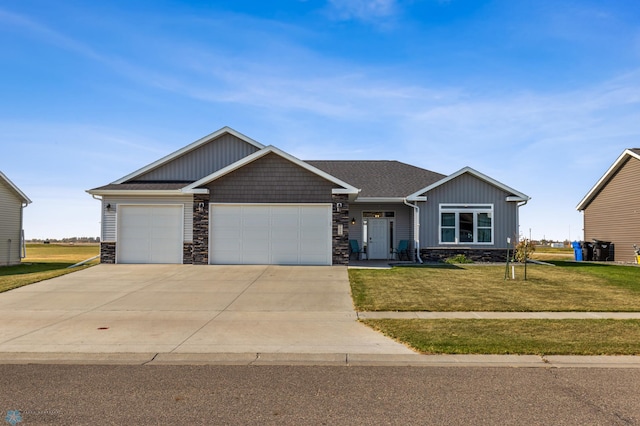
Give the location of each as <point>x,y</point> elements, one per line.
<point>262,234</point>
<point>149,234</point>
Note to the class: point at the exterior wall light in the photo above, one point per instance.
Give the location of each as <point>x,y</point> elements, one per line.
<point>353,221</point>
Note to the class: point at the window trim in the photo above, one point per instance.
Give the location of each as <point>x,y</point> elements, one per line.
<point>466,208</point>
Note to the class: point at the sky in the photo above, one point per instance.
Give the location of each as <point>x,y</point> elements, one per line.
<point>542,96</point>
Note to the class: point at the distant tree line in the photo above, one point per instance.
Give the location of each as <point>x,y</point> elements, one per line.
<point>71,240</point>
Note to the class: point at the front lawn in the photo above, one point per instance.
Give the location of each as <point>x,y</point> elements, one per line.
<point>45,261</point>
<point>524,337</point>
<point>568,286</point>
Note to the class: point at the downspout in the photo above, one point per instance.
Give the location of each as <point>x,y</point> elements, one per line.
<point>416,228</point>
<point>518,205</point>
<point>23,243</point>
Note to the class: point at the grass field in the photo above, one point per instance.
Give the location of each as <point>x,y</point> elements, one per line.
<point>46,261</point>
<point>567,286</point>
<point>552,253</point>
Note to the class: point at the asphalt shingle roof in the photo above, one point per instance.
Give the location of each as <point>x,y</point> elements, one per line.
<point>382,178</point>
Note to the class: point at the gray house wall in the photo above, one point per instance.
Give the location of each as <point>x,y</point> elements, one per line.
<point>203,161</point>
<point>467,189</point>
<point>614,213</point>
<point>10,226</point>
<point>403,220</point>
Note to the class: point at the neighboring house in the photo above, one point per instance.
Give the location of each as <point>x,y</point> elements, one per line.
<point>12,201</point>
<point>612,207</point>
<point>227,199</point>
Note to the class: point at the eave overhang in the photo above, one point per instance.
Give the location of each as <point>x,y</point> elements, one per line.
<point>145,193</point>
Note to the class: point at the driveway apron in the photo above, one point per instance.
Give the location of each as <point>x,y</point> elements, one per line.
<point>189,309</point>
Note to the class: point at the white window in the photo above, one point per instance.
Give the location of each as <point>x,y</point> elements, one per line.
<point>466,224</point>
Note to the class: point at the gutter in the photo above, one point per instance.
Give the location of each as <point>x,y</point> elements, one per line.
<point>416,227</point>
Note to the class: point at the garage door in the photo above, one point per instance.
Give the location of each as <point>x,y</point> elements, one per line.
<point>264,234</point>
<point>149,234</point>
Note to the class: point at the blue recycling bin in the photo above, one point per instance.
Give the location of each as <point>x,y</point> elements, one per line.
<point>577,251</point>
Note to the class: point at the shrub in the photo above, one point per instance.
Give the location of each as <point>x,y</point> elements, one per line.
<point>519,254</point>
<point>458,258</point>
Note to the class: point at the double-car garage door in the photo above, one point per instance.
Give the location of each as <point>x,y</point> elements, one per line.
<point>286,234</point>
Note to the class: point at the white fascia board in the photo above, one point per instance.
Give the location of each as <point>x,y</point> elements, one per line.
<point>417,198</point>
<point>379,200</point>
<point>188,148</point>
<point>14,188</point>
<point>143,192</point>
<point>475,173</point>
<point>347,189</point>
<point>516,199</point>
<point>605,178</point>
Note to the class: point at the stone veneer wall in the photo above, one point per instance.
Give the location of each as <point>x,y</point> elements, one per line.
<point>187,253</point>
<point>340,242</point>
<point>108,252</point>
<point>200,252</point>
<point>477,255</point>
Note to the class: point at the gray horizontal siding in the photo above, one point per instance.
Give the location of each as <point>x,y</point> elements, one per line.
<point>467,189</point>
<point>203,161</point>
<point>614,213</point>
<point>10,226</point>
<point>271,179</point>
<point>109,217</point>
<point>403,220</point>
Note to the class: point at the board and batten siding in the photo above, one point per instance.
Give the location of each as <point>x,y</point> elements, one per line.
<point>202,161</point>
<point>614,213</point>
<point>109,225</point>
<point>10,226</point>
<point>467,189</point>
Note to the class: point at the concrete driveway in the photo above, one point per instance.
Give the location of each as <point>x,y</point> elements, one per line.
<point>186,309</point>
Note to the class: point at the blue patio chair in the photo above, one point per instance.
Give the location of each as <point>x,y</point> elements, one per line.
<point>402,250</point>
<point>354,248</point>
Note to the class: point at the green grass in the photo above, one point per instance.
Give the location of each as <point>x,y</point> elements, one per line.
<point>568,286</point>
<point>546,253</point>
<point>45,261</point>
<point>533,337</point>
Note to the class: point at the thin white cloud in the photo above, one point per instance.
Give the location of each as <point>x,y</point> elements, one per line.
<point>362,10</point>
<point>46,34</point>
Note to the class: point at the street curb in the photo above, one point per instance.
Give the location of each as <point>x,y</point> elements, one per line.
<point>327,359</point>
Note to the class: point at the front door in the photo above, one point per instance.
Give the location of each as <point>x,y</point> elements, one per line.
<point>378,244</point>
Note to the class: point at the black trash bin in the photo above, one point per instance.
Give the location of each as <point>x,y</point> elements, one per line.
<point>601,251</point>
<point>587,251</point>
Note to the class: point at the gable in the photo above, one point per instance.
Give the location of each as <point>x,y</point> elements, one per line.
<point>472,180</point>
<point>11,192</point>
<point>201,161</point>
<point>619,190</point>
<point>467,188</point>
<point>271,178</point>
<point>629,156</point>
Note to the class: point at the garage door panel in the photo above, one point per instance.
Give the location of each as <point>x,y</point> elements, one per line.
<point>149,234</point>
<point>272,234</point>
